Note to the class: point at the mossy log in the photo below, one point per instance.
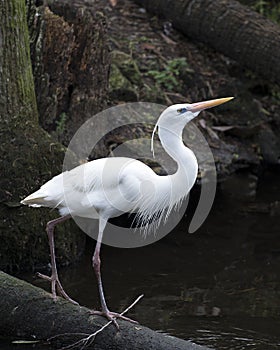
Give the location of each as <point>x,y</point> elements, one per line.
<point>229,27</point>
<point>29,156</point>
<point>29,312</point>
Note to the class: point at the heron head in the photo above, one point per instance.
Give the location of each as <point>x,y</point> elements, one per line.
<point>181,114</point>
<point>176,117</point>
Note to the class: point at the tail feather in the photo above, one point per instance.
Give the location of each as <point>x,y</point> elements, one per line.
<point>49,195</point>
<point>35,199</point>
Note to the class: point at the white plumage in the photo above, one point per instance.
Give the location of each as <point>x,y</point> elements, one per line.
<point>108,187</point>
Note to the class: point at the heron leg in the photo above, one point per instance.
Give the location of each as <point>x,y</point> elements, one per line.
<point>55,282</point>
<point>96,263</point>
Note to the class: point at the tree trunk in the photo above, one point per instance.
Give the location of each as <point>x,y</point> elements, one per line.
<point>71,67</point>
<point>229,27</point>
<point>30,312</point>
<point>29,156</point>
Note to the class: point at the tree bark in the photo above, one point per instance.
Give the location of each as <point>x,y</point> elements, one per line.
<point>29,156</point>
<point>229,27</point>
<point>70,58</point>
<point>29,312</point>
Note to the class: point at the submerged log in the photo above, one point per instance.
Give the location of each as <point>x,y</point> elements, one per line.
<point>229,27</point>
<point>29,312</point>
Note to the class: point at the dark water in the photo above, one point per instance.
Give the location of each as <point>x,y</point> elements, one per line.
<point>219,287</point>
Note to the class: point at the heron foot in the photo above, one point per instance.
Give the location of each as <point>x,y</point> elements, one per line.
<point>56,286</point>
<point>112,316</point>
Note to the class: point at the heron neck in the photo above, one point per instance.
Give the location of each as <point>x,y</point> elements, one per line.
<point>186,173</point>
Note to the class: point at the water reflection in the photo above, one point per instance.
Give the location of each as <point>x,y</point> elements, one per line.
<point>218,287</point>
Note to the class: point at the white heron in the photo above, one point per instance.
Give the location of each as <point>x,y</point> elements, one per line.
<point>85,192</point>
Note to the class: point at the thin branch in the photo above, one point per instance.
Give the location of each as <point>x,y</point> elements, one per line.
<point>65,334</point>
<point>83,343</point>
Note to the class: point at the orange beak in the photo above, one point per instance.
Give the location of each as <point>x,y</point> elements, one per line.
<point>200,106</point>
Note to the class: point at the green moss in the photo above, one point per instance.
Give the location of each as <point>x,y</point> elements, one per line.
<point>29,157</point>
<point>117,80</point>
<point>127,66</point>
<point>169,77</point>
<point>119,86</point>
<point>125,78</point>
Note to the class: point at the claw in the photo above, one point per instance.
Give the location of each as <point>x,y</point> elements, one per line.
<point>112,316</point>
<point>56,285</point>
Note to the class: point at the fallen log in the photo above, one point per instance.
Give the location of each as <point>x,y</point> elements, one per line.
<point>29,312</point>
<point>229,27</point>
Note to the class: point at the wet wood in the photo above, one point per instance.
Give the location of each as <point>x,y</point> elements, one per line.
<point>29,312</point>
<point>229,27</point>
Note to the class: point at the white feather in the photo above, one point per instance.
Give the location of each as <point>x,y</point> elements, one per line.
<point>109,187</point>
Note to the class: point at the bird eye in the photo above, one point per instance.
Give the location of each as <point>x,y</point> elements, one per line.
<point>181,110</point>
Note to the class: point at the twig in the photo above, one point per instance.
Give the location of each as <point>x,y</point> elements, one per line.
<point>63,335</point>
<point>84,342</point>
